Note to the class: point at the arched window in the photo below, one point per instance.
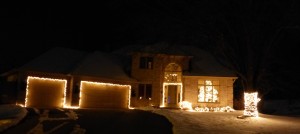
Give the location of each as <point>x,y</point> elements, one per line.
<point>173,73</point>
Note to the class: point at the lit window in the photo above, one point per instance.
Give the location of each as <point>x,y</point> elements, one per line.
<point>146,62</point>
<point>208,91</point>
<point>173,73</point>
<point>145,91</point>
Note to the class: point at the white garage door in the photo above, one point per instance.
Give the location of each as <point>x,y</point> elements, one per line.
<point>104,95</point>
<point>45,92</point>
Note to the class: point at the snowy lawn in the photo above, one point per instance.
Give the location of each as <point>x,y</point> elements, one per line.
<point>11,115</point>
<point>186,122</point>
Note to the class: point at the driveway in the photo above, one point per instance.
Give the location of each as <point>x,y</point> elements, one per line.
<point>89,121</point>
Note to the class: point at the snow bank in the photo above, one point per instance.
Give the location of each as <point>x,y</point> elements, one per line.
<point>11,115</point>
<point>185,122</point>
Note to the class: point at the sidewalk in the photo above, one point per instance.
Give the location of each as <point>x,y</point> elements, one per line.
<point>11,115</point>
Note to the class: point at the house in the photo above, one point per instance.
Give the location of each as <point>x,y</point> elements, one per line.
<point>159,75</point>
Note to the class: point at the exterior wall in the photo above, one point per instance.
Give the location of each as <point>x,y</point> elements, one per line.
<point>146,76</point>
<point>190,91</point>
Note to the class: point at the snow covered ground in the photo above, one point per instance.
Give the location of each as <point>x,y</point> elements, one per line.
<point>186,122</point>
<point>11,115</point>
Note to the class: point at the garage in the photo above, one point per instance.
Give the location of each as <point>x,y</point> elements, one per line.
<point>45,92</point>
<point>104,95</point>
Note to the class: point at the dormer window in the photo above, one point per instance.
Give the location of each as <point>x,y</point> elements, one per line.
<point>146,62</point>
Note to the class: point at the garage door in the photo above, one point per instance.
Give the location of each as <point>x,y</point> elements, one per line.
<point>45,92</point>
<point>104,95</point>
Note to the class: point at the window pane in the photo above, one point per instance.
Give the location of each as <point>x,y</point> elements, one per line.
<point>216,82</point>
<point>215,93</point>
<point>208,82</point>
<point>208,94</point>
<point>141,91</point>
<point>201,82</point>
<point>143,62</point>
<point>149,62</point>
<point>201,94</point>
<point>148,91</point>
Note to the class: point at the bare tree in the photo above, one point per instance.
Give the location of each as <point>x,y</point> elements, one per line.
<point>243,35</point>
<point>246,34</point>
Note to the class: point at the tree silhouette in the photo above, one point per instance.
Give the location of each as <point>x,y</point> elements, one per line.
<point>244,36</point>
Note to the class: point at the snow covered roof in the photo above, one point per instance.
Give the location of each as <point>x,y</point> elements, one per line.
<point>56,60</point>
<point>105,65</point>
<point>67,61</point>
<point>202,64</point>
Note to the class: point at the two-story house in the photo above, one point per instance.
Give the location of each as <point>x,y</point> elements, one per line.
<point>160,76</point>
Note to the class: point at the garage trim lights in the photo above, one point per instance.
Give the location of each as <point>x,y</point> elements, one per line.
<point>105,84</point>
<point>30,78</point>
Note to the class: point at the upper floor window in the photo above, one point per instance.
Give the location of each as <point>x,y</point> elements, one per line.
<point>208,91</point>
<point>146,62</point>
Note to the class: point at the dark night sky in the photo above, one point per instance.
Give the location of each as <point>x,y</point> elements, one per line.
<point>28,32</point>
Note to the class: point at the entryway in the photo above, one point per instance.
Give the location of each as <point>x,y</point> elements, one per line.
<point>172,95</point>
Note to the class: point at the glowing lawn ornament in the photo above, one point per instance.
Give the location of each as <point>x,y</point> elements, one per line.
<point>214,109</point>
<point>251,101</point>
<point>185,105</point>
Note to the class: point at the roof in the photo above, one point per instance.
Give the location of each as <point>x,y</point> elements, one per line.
<point>57,60</point>
<point>74,62</point>
<point>202,63</point>
<point>117,65</point>
<point>105,65</point>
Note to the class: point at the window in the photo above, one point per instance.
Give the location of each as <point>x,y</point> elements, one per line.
<point>146,62</point>
<point>208,91</point>
<point>145,91</point>
<point>173,73</point>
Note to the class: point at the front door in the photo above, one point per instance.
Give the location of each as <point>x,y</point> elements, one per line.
<point>172,97</point>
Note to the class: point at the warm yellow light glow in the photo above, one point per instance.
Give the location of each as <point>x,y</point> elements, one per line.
<point>104,84</point>
<point>21,105</point>
<point>185,105</point>
<point>71,107</point>
<point>214,109</point>
<point>163,94</point>
<point>5,122</point>
<point>32,78</point>
<point>251,101</point>
<point>208,93</point>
